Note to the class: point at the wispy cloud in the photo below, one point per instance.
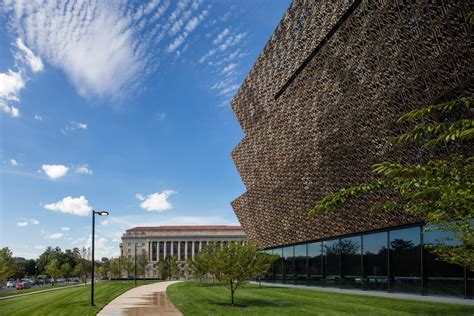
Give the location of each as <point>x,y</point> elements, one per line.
<point>47,235</point>
<point>106,48</point>
<point>84,169</point>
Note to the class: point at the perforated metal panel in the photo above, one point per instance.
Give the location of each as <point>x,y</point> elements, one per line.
<point>316,125</point>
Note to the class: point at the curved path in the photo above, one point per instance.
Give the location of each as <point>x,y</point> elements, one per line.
<point>148,299</point>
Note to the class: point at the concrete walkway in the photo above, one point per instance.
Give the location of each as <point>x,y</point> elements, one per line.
<point>425,298</point>
<point>144,300</point>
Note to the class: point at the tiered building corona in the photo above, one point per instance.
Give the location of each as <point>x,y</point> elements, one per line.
<point>317,109</point>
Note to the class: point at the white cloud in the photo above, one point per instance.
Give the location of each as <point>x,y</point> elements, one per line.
<point>77,206</point>
<point>104,222</point>
<point>47,235</point>
<point>65,228</point>
<point>22,224</point>
<point>78,125</point>
<point>229,68</point>
<point>34,221</point>
<point>84,169</point>
<point>91,41</point>
<point>55,171</point>
<point>190,26</point>
<point>157,201</point>
<point>13,162</point>
<point>11,83</point>
<point>25,54</point>
<point>39,247</point>
<point>139,196</point>
<point>221,36</point>
<point>38,117</point>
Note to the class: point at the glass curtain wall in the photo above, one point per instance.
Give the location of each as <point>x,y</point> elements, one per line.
<point>332,263</point>
<point>375,275</point>
<point>397,260</point>
<point>442,278</point>
<point>405,260</point>
<point>278,265</point>
<point>351,262</point>
<point>288,265</point>
<point>301,264</point>
<point>315,264</point>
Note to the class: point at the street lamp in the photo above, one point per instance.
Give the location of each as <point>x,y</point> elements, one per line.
<point>101,213</point>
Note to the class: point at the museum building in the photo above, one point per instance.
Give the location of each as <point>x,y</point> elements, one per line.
<point>317,109</point>
<point>182,242</point>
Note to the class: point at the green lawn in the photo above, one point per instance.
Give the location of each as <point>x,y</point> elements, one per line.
<point>69,301</point>
<point>192,299</point>
<point>35,289</point>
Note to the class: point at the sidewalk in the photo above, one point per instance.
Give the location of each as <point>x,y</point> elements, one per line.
<point>426,298</point>
<point>144,300</point>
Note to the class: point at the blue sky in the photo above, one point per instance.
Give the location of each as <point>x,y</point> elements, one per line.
<point>122,106</point>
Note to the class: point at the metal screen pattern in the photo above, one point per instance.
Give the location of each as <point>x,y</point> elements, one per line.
<point>328,126</point>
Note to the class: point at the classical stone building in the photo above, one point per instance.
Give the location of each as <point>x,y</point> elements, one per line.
<point>317,108</point>
<point>183,242</point>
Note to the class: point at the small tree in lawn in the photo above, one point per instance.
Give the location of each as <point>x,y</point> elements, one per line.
<point>199,267</point>
<point>441,190</point>
<point>234,265</point>
<point>168,267</point>
<point>53,269</point>
<point>263,263</point>
<point>8,265</point>
<point>142,264</point>
<point>128,265</point>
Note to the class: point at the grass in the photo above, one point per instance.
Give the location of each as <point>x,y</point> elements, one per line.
<point>35,289</point>
<point>208,299</point>
<point>69,301</point>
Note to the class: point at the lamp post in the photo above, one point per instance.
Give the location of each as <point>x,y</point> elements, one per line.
<point>101,213</point>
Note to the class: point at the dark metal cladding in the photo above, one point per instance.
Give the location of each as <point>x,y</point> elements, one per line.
<point>322,99</point>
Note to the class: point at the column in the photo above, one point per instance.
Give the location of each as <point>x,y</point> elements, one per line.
<point>164,249</point>
<point>192,249</point>
<point>179,250</point>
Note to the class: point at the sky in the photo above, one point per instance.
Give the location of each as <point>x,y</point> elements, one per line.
<point>121,106</point>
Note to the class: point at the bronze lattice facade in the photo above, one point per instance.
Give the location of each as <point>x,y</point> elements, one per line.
<point>322,99</point>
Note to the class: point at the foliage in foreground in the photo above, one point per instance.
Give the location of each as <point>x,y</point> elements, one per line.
<point>441,191</point>
<point>191,298</point>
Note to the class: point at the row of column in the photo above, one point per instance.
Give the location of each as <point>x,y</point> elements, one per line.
<point>193,248</point>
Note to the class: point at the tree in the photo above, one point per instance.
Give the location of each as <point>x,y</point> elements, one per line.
<point>440,190</point>
<point>65,270</point>
<point>103,271</point>
<point>128,265</point>
<point>82,264</point>
<point>114,268</point>
<point>200,266</point>
<point>53,269</point>
<point>234,264</point>
<point>142,264</point>
<point>8,266</point>
<point>263,263</point>
<point>168,268</point>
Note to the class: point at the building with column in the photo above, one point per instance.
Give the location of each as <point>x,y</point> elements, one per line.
<point>317,109</point>
<point>182,242</point>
